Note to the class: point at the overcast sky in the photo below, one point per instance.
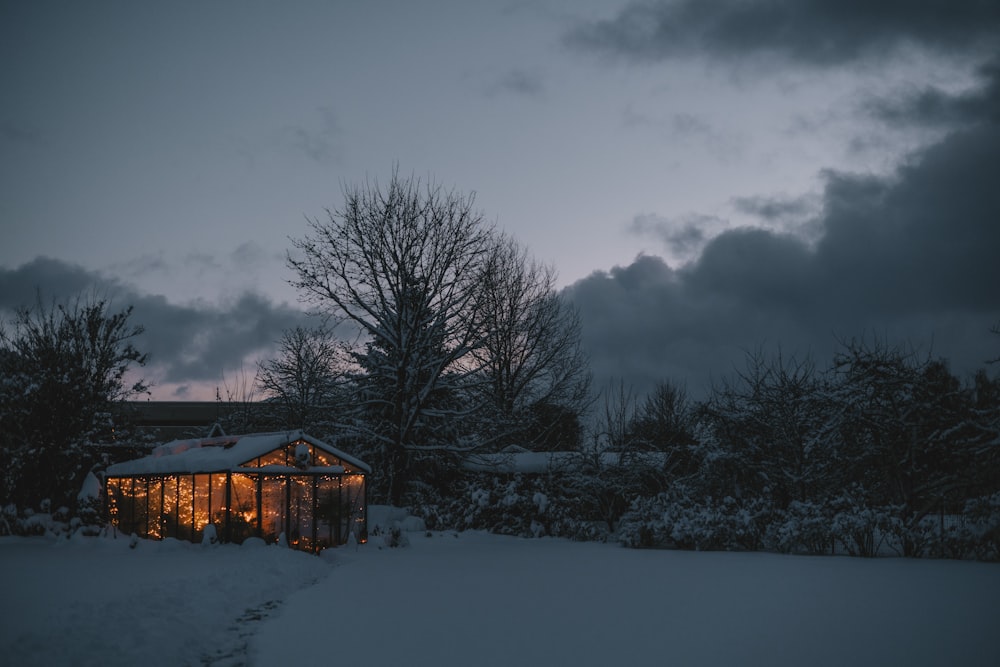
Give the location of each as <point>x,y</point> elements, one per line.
<point>708,176</point>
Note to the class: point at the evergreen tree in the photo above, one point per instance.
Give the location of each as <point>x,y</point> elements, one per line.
<point>61,371</point>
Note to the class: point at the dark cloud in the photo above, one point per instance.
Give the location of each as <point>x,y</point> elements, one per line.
<point>934,107</point>
<point>44,279</point>
<point>793,215</point>
<point>813,32</point>
<point>186,343</point>
<point>927,239</point>
<point>911,256</point>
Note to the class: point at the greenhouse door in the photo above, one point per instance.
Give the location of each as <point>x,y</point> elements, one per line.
<point>302,512</point>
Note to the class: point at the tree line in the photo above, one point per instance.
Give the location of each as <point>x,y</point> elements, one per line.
<point>884,451</point>
<point>438,336</point>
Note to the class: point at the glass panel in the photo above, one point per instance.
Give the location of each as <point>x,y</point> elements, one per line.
<point>170,506</point>
<point>276,458</point>
<point>321,458</point>
<point>120,503</point>
<point>218,509</point>
<point>185,504</point>
<point>139,507</point>
<point>155,508</point>
<point>201,491</point>
<point>243,517</point>
<point>252,463</point>
<point>273,507</point>
<point>327,512</point>
<point>353,499</point>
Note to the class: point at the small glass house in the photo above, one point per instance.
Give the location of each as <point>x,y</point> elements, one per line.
<point>264,485</point>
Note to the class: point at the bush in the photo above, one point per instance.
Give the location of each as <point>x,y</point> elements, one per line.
<point>974,534</point>
<point>804,528</point>
<point>61,522</point>
<point>674,520</point>
<point>861,530</point>
<point>522,505</point>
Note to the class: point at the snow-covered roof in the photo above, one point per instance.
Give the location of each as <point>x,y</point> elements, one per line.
<point>223,453</point>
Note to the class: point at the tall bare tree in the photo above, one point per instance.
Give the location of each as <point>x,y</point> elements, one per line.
<point>535,369</point>
<point>403,262</point>
<point>303,378</point>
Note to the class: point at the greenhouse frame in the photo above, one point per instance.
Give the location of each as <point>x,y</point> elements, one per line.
<point>277,486</point>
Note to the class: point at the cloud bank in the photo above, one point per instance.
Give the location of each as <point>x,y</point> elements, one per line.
<point>910,256</point>
<point>190,344</point>
<point>818,33</point>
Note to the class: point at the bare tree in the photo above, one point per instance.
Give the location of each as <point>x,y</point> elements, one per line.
<point>238,407</point>
<point>536,372</point>
<point>303,378</point>
<point>910,431</point>
<point>768,420</point>
<point>403,263</point>
<point>667,423</point>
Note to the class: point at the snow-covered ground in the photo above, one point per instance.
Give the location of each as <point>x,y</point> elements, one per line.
<point>477,599</point>
<point>96,601</point>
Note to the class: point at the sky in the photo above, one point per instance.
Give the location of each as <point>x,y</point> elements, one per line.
<point>708,177</point>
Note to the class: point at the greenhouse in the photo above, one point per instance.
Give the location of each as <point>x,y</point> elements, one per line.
<point>285,485</point>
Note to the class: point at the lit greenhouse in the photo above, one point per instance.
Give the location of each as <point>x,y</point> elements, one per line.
<point>265,485</point>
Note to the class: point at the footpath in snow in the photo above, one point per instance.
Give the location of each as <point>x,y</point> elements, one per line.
<point>96,601</point>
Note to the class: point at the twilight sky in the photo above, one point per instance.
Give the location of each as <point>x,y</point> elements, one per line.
<point>708,176</point>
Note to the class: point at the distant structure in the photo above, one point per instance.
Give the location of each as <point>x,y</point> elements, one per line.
<point>171,420</point>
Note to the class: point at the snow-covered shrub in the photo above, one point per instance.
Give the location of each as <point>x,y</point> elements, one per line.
<point>522,505</point>
<point>804,528</point>
<point>646,522</point>
<point>736,525</point>
<point>675,520</point>
<point>32,523</point>
<point>974,534</point>
<point>395,537</point>
<point>209,536</point>
<point>89,506</point>
<point>8,519</point>
<point>981,518</point>
<point>861,530</point>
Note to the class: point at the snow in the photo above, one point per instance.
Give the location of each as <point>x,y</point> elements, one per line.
<point>91,487</point>
<point>222,453</point>
<point>95,601</point>
<point>479,599</point>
